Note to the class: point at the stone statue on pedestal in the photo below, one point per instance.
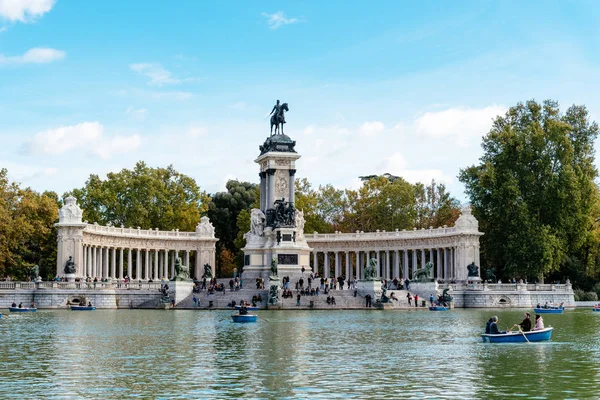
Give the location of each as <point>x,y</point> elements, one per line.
<point>34,273</point>
<point>274,283</point>
<point>70,266</point>
<point>207,272</point>
<point>473,270</point>
<point>182,272</point>
<point>370,272</point>
<point>257,222</point>
<point>278,117</point>
<point>423,274</point>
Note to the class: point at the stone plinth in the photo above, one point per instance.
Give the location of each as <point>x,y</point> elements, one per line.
<point>369,287</point>
<point>70,277</point>
<point>424,289</point>
<point>179,290</point>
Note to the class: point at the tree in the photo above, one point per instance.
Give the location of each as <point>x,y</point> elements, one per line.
<point>533,191</point>
<point>146,197</point>
<point>27,232</point>
<point>434,206</point>
<point>223,212</point>
<point>309,202</point>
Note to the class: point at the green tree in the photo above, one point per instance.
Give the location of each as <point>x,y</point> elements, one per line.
<point>533,191</point>
<point>146,197</point>
<point>223,212</point>
<point>309,201</point>
<point>434,206</point>
<point>27,232</point>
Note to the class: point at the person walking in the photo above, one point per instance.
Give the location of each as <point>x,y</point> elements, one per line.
<point>416,300</point>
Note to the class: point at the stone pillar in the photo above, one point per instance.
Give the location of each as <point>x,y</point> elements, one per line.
<point>379,266</point>
<point>147,265</point>
<point>187,259</point>
<point>94,260</point>
<point>452,262</point>
<point>396,264</point>
<point>138,264</point>
<point>439,264</point>
<point>445,263</point>
<point>387,264</point>
<point>405,265</point>
<point>100,270</point>
<point>359,266</point>
<point>114,263</point>
<point>197,269</point>
<point>292,186</point>
<point>348,266</point>
<point>422,258</point>
<point>156,275</point>
<point>120,276</point>
<point>263,186</point>
<point>166,266</point>
<point>271,187</point>
<point>315,261</point>
<point>337,264</point>
<point>414,263</point>
<point>129,263</point>
<point>173,264</point>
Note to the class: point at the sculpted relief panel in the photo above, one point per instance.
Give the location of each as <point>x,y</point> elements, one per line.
<point>281,184</point>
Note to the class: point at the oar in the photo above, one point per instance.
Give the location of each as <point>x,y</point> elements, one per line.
<point>523,333</point>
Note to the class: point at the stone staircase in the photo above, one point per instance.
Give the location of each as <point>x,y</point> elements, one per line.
<point>220,300</point>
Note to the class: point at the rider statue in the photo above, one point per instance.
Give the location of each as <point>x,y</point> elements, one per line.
<point>277,110</point>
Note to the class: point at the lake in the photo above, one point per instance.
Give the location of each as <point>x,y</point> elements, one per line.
<point>292,354</point>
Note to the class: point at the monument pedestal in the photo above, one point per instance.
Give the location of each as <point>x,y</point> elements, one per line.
<point>180,290</point>
<point>372,287</point>
<point>70,277</point>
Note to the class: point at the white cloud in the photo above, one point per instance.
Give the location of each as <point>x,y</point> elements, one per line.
<point>84,137</point>
<point>36,55</point>
<point>395,164</point>
<point>460,123</point>
<point>139,114</point>
<point>158,75</point>
<point>371,128</point>
<point>279,19</point>
<point>24,10</point>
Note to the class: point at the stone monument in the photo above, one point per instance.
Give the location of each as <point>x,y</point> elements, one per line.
<point>370,284</point>
<point>181,284</point>
<point>70,237</point>
<point>276,228</point>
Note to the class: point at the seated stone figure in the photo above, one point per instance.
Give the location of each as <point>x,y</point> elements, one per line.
<point>70,266</point>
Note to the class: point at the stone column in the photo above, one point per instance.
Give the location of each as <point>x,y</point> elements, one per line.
<point>315,261</point>
<point>93,275</point>
<point>405,265</point>
<point>156,275</point>
<point>387,264</point>
<point>452,262</point>
<point>166,266</point>
<point>138,264</point>
<point>414,262</point>
<point>120,263</point>
<point>271,187</point>
<point>445,269</point>
<point>100,270</point>
<point>187,259</point>
<point>292,185</point>
<point>439,263</point>
<point>422,258</point>
<point>173,264</point>
<point>262,190</point>
<point>396,264</point>
<point>197,270</point>
<point>359,265</point>
<point>326,265</point>
<point>379,266</point>
<point>337,264</point>
<point>147,265</point>
<point>129,263</point>
<point>348,266</point>
<point>114,263</point>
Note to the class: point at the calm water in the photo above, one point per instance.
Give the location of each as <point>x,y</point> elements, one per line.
<point>294,354</point>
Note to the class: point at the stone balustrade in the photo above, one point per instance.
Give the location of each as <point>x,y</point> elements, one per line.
<point>14,285</point>
<point>507,287</point>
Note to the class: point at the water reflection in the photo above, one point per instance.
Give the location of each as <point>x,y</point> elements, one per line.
<point>318,354</point>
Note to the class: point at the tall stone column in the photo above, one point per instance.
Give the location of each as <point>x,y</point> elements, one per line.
<point>197,269</point>
<point>405,265</point>
<point>439,263</point>
<point>379,266</point>
<point>263,190</point>
<point>348,266</point>
<point>445,264</point>
<point>271,183</point>
<point>120,263</point>
<point>166,266</point>
<point>422,258</point>
<point>100,271</point>
<point>147,265</point>
<point>387,264</point>
<point>94,262</point>
<point>156,275</point>
<point>337,265</point>
<point>129,263</point>
<point>173,264</point>
<point>187,258</point>
<point>396,264</point>
<point>114,263</point>
<point>414,263</point>
<point>357,274</point>
<point>326,265</point>
<point>138,264</point>
<point>292,186</point>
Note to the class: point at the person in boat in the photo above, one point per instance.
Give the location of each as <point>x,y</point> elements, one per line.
<point>89,304</point>
<point>546,305</point>
<point>243,310</point>
<point>539,323</point>
<point>487,326</point>
<point>494,326</point>
<point>538,306</point>
<point>562,306</point>
<point>32,304</point>
<point>13,305</point>
<point>20,305</point>
<point>525,324</point>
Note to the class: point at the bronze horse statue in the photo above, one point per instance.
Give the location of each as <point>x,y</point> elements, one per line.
<point>278,119</point>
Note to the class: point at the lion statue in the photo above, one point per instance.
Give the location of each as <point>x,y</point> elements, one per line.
<point>422,274</point>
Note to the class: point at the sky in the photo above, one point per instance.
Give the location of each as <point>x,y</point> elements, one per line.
<point>407,88</point>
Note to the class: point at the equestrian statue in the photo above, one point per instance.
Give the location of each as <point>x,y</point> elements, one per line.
<point>278,117</point>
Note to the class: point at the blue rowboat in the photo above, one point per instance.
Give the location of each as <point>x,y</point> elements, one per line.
<point>555,310</point>
<point>83,308</point>
<point>244,318</point>
<point>517,337</point>
<point>23,309</point>
<point>595,309</point>
<point>438,308</point>
<point>249,308</point>
<point>0,316</point>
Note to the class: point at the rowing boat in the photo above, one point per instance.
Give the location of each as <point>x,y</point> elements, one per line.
<point>438,308</point>
<point>22,309</point>
<point>553,310</point>
<point>83,308</point>
<point>244,318</point>
<point>249,308</point>
<point>518,337</point>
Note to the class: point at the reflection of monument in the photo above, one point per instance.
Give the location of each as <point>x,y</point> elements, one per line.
<point>276,229</point>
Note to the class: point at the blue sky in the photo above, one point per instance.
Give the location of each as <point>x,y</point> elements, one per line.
<point>94,86</point>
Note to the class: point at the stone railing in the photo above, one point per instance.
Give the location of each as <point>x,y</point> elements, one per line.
<point>495,287</point>
<point>397,234</point>
<point>138,232</point>
<point>81,285</point>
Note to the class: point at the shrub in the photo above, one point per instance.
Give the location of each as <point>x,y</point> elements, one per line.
<point>589,296</point>
<point>578,294</point>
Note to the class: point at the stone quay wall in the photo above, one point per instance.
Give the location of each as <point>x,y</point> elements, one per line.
<point>102,295</point>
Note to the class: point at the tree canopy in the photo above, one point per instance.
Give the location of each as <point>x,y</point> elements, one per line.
<point>146,197</point>
<point>533,190</point>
